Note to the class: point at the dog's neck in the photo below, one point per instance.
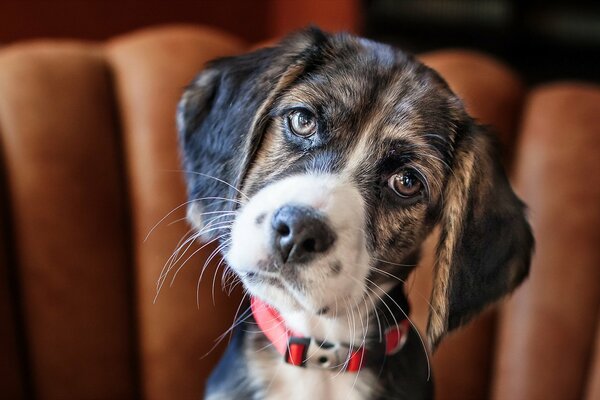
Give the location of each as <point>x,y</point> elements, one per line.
<point>366,319</point>
<point>351,327</point>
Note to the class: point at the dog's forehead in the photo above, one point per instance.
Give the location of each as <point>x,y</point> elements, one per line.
<point>373,103</point>
<point>370,97</point>
<point>358,82</point>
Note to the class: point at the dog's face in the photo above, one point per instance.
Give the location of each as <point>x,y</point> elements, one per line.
<point>324,162</point>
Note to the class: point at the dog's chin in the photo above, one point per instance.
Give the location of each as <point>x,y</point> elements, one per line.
<point>318,293</point>
<point>280,294</point>
<point>313,299</point>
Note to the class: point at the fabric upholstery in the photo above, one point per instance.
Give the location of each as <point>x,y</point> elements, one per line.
<point>11,364</point>
<point>92,206</point>
<point>69,219</point>
<point>150,69</point>
<point>547,328</point>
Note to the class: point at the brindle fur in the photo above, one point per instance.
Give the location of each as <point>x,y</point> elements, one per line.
<point>378,109</point>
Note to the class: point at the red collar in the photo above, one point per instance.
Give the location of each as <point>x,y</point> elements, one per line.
<point>307,351</point>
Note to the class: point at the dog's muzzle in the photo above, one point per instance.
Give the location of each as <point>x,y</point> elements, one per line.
<point>299,243</point>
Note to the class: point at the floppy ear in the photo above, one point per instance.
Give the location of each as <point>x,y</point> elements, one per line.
<point>485,242</point>
<point>222,117</point>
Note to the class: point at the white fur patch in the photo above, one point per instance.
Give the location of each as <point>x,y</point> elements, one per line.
<point>343,206</point>
<point>288,382</point>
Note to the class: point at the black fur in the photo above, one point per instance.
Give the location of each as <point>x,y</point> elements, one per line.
<point>216,115</point>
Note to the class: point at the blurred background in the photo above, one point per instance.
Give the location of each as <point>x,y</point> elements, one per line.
<point>91,194</point>
<point>543,39</point>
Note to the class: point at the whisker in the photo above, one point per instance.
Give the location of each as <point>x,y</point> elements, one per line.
<point>228,275</point>
<point>364,339</point>
<point>216,219</point>
<point>218,198</point>
<point>184,239</point>
<point>411,322</point>
<point>193,254</point>
<point>219,264</point>
<point>380,330</point>
<point>216,179</point>
<point>215,226</point>
<point>388,274</point>
<point>421,295</point>
<point>177,221</point>
<point>237,320</point>
<point>189,242</point>
<point>392,263</point>
<point>168,264</point>
<point>212,255</point>
<point>165,217</point>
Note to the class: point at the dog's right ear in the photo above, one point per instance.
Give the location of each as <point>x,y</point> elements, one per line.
<point>485,242</point>
<point>222,117</point>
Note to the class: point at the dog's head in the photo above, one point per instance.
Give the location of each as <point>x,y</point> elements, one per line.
<point>322,164</point>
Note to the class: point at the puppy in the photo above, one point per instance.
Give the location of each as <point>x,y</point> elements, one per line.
<point>320,165</point>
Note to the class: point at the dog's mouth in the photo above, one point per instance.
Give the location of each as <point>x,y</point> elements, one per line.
<point>261,278</point>
<point>258,282</point>
<point>269,286</point>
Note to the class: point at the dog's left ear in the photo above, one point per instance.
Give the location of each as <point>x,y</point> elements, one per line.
<point>485,242</point>
<point>222,117</point>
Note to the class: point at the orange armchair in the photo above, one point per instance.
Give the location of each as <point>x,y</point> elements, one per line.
<point>89,166</point>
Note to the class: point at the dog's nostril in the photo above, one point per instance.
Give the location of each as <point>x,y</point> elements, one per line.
<point>283,229</point>
<point>309,245</point>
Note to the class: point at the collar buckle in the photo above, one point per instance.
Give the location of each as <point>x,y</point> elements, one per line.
<point>337,357</point>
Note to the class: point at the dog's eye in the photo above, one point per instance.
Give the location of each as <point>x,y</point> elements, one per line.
<point>405,183</point>
<point>302,123</point>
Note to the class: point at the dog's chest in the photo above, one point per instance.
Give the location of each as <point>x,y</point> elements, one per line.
<point>288,382</point>
<point>279,380</point>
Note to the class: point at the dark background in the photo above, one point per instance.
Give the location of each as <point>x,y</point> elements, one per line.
<point>252,20</point>
<point>543,40</point>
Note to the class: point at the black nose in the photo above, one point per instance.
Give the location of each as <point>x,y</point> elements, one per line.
<point>300,232</point>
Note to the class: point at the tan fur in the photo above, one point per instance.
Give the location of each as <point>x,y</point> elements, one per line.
<point>261,117</point>
<point>455,204</point>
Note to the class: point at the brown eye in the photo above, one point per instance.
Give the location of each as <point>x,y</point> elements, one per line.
<point>405,183</point>
<point>302,123</point>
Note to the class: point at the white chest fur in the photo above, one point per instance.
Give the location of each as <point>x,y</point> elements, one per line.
<point>295,383</point>
<point>279,380</point>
